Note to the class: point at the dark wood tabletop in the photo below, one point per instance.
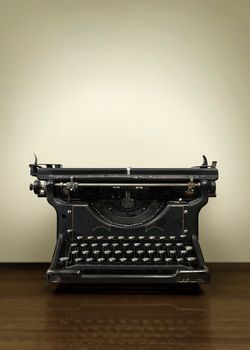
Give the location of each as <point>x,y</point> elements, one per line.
<point>35,315</point>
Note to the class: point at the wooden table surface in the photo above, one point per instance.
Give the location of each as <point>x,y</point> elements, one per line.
<point>38,316</point>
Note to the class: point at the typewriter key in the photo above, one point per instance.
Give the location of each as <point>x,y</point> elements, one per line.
<point>89,260</point>
<point>131,237</point>
<point>85,253</point>
<point>140,252</point>
<point>129,251</point>
<point>74,245</point>
<point>123,260</point>
<point>141,237</point>
<point>188,247</point>
<point>77,260</point>
<point>101,259</point>
<point>134,259</point>
<point>168,260</point>
<point>90,237</point>
<point>112,259</point>
<point>191,260</point>
<point>117,252</point>
<point>107,252</point>
<point>111,237</point>
<point>99,237</point>
<point>79,238</point>
<point>63,259</point>
<point>145,259</point>
<point>157,259</point>
<point>83,245</point>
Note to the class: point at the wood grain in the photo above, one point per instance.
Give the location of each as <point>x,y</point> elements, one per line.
<point>37,316</point>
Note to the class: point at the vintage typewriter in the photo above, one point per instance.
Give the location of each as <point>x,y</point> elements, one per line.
<point>133,226</point>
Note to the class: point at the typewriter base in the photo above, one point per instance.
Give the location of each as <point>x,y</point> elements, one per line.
<point>77,276</point>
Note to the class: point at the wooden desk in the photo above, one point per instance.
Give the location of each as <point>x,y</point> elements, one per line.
<point>35,316</point>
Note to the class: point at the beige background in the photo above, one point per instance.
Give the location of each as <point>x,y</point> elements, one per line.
<point>124,83</point>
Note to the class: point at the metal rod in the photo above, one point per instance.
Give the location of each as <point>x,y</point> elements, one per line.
<point>61,184</point>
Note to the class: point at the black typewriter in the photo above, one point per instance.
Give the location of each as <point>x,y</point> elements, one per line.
<point>133,226</point>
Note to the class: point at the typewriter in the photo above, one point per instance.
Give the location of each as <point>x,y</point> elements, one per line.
<point>126,226</point>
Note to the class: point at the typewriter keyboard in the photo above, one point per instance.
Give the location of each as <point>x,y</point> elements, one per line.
<point>129,250</point>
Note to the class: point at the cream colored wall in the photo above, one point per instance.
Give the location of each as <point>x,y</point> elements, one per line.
<point>124,83</point>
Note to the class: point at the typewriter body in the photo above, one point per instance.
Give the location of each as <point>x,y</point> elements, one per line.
<point>133,226</point>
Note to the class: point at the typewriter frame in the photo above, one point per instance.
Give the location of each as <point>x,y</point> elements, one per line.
<point>52,177</point>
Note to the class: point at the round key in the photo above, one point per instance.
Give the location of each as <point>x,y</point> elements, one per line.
<point>85,252</point>
<point>123,260</point>
<point>151,237</point>
<point>63,259</point>
<point>77,260</point>
<point>74,245</point>
<point>188,247</point>
<point>106,252</point>
<point>168,244</point>
<point>112,259</point>
<point>129,251</point>
<point>90,237</point>
<point>161,251</point>
<point>96,251</point>
<point>99,237</point>
<point>151,251</point>
<point>111,237</point>
<point>141,237</point>
<point>79,238</point>
<point>191,259</point>
<point>137,244</point>
<point>147,244</point>
<point>179,244</point>
<point>131,237</point>
<point>101,259</point>
<point>157,259</point>
<point>183,236</point>
<point>158,244</point>
<point>145,259</point>
<point>168,260</point>
<point>162,237</point>
<point>89,260</point>
<point>172,237</point>
<point>105,244</point>
<point>121,237</point>
<point>117,252</point>
<point>74,252</point>
<point>126,244</point>
<point>94,244</point>
<point>115,244</point>
<point>134,259</point>
<point>140,252</point>
<point>183,252</point>
<point>179,260</point>
<point>83,245</point>
<point>172,252</point>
